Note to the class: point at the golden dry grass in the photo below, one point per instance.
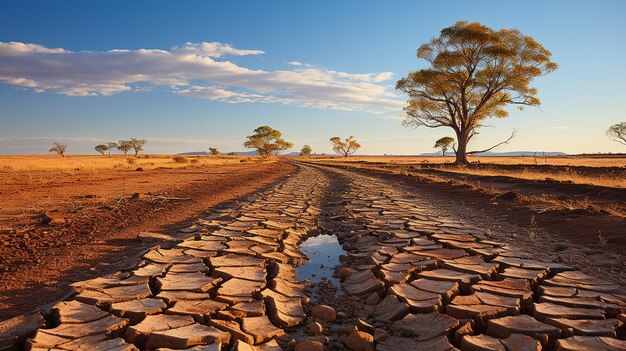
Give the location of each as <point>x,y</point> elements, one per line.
<point>568,175</point>
<point>574,161</point>
<point>86,163</point>
<point>567,168</point>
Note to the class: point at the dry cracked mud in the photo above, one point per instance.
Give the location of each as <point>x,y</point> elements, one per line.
<point>413,278</point>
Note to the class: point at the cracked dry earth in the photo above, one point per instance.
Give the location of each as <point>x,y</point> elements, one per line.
<point>413,278</point>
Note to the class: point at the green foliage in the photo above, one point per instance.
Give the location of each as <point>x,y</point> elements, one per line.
<point>444,144</point>
<point>267,140</point>
<point>131,144</point>
<point>474,73</point>
<point>345,147</point>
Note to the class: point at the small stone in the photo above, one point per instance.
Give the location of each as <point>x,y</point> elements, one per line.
<point>309,345</point>
<point>324,313</point>
<point>346,329</point>
<point>315,328</point>
<point>360,341</point>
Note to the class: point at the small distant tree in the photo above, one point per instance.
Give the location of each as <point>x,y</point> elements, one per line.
<point>306,151</point>
<point>124,146</point>
<point>617,132</point>
<point>267,140</point>
<point>214,151</point>
<point>444,144</point>
<point>111,145</point>
<point>345,147</point>
<point>137,145</point>
<point>59,149</point>
<point>102,148</point>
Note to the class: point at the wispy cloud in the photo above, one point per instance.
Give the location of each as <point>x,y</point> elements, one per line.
<point>193,69</point>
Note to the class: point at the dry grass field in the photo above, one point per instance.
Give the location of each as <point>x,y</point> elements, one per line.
<point>598,171</point>
<point>86,163</point>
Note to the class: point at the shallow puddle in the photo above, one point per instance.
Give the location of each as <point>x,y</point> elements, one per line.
<point>323,252</point>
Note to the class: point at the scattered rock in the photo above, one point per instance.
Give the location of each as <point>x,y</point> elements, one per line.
<point>309,345</point>
<point>324,313</point>
<point>360,341</point>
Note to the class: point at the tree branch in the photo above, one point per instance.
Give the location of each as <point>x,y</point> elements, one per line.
<point>495,146</point>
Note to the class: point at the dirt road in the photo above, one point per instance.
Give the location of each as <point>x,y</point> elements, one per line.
<point>417,275</point>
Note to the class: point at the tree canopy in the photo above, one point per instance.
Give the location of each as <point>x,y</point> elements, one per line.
<point>124,146</point>
<point>137,144</point>
<point>444,144</point>
<point>345,147</point>
<point>267,140</point>
<point>475,72</point>
<point>306,151</point>
<point>617,132</point>
<point>102,148</point>
<point>111,145</point>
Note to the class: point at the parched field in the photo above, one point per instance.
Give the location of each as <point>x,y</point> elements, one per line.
<point>64,219</point>
<point>430,262</point>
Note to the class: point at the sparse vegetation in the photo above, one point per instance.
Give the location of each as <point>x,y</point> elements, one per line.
<point>59,149</point>
<point>214,151</point>
<point>137,145</point>
<point>444,144</point>
<point>475,73</point>
<point>180,159</point>
<point>102,149</point>
<point>111,145</point>
<point>617,132</point>
<point>306,151</point>
<point>124,146</point>
<point>345,147</point>
<point>267,141</point>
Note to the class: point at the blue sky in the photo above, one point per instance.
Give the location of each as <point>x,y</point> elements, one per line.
<point>311,69</point>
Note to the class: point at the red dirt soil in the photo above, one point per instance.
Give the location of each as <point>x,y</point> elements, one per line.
<point>94,221</point>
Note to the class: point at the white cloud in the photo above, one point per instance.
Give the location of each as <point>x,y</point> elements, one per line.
<point>294,63</point>
<point>193,69</point>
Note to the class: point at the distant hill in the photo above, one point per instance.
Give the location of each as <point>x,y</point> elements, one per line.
<point>510,153</point>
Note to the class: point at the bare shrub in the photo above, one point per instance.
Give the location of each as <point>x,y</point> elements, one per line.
<point>180,159</point>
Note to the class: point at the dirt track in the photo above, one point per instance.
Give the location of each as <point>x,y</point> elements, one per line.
<point>98,219</point>
<point>418,275</point>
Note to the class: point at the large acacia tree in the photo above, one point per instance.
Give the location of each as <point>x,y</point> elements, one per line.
<point>474,73</point>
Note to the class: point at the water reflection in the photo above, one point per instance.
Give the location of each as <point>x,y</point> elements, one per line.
<point>323,252</point>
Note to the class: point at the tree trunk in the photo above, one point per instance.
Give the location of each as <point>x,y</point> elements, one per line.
<point>461,156</point>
